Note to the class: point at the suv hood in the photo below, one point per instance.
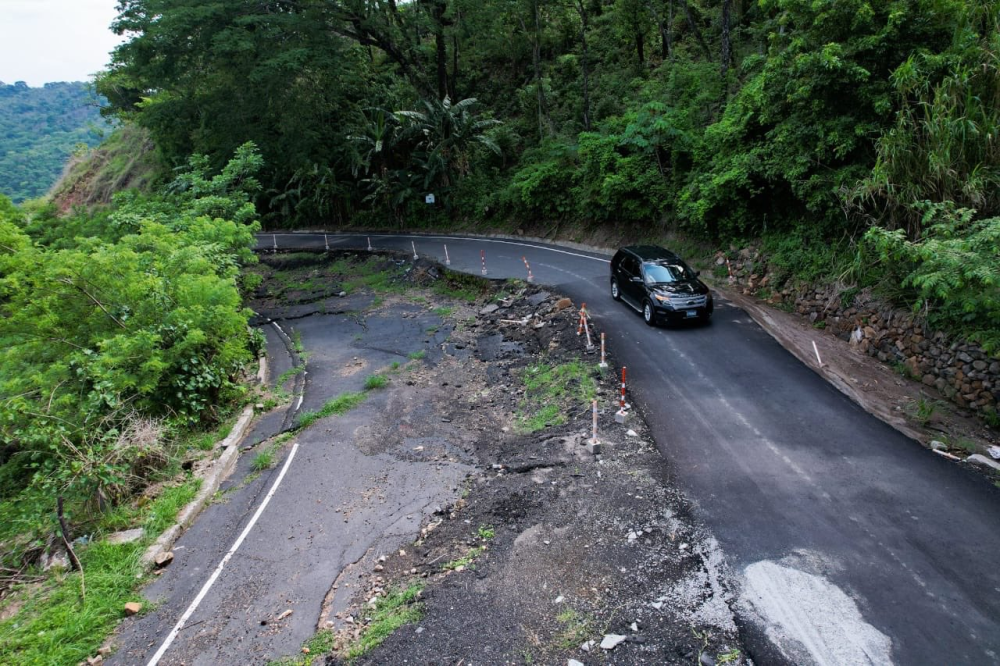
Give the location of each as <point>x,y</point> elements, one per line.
<point>680,288</point>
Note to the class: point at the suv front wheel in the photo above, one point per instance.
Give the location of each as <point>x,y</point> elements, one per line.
<point>615,293</point>
<point>647,313</point>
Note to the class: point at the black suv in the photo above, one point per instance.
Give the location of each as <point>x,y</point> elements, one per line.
<point>655,281</point>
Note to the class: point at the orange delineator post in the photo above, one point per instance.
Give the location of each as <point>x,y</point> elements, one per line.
<point>531,278</point>
<point>622,404</point>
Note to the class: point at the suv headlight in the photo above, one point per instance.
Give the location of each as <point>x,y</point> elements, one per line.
<point>662,298</point>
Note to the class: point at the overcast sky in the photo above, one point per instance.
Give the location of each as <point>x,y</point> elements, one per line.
<point>54,40</point>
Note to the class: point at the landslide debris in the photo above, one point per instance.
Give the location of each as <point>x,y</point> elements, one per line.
<point>551,551</point>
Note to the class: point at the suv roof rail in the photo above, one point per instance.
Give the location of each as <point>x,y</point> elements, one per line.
<point>651,252</point>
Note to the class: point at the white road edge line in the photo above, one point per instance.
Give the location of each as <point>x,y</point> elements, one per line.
<point>218,570</point>
<point>462,238</point>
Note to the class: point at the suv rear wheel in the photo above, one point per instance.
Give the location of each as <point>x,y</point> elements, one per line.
<point>647,313</point>
<point>615,292</point>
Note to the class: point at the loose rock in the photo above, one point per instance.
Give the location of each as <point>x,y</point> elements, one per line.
<point>128,536</point>
<point>983,461</point>
<point>164,559</point>
<point>611,641</point>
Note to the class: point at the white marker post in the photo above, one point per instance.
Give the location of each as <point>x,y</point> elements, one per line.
<point>586,329</point>
<point>816,349</point>
<point>621,415</point>
<point>274,244</point>
<point>593,435</point>
<point>447,260</point>
<point>482,255</point>
<point>326,243</point>
<point>604,363</point>
<point>370,248</point>
<point>414,246</point>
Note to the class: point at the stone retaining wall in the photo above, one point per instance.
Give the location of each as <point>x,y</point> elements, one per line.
<point>960,371</point>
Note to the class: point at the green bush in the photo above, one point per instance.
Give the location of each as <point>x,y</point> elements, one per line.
<point>142,325</point>
<point>953,270</point>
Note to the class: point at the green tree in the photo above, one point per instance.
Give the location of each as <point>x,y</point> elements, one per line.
<point>207,77</point>
<point>945,143</point>
<point>147,321</point>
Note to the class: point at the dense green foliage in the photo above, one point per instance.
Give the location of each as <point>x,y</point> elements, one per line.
<point>39,129</point>
<point>955,265</point>
<point>120,327</point>
<point>799,120</point>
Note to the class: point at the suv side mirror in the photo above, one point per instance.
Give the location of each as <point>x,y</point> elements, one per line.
<point>697,273</point>
<point>636,278</point>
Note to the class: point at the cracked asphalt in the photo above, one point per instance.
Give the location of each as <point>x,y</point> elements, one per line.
<point>352,492</point>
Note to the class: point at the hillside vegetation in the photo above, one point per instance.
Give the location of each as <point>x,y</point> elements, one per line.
<point>126,159</point>
<point>805,123</point>
<point>122,335</point>
<point>40,128</point>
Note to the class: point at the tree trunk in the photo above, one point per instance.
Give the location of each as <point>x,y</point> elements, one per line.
<point>442,63</point>
<point>670,26</point>
<point>536,59</point>
<point>453,87</point>
<point>664,30</point>
<point>585,62</point>
<point>694,28</point>
<point>441,48</point>
<point>640,48</point>
<point>726,43</point>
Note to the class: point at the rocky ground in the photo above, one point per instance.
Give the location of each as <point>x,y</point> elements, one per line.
<point>552,551</point>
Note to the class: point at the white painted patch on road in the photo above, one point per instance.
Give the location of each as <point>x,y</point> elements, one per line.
<point>701,598</point>
<point>810,619</point>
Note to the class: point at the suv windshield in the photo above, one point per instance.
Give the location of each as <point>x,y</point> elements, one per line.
<point>667,272</point>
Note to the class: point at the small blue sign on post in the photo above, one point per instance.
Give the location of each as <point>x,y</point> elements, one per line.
<point>429,199</point>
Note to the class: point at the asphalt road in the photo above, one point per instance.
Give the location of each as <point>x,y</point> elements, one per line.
<point>851,543</point>
<point>339,508</point>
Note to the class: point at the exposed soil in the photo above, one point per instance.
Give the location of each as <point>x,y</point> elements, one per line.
<point>550,548</point>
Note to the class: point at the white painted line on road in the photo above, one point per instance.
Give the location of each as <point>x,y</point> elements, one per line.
<point>299,403</point>
<point>218,570</point>
<point>563,270</point>
<point>281,330</point>
<point>477,240</point>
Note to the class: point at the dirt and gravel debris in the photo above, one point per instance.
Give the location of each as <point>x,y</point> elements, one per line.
<point>550,551</point>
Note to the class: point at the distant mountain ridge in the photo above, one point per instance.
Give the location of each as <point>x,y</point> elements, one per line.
<point>39,130</point>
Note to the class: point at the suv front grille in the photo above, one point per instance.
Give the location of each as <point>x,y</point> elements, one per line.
<point>686,302</point>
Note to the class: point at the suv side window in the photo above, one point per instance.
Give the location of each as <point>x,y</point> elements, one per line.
<point>629,265</point>
<point>616,261</point>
